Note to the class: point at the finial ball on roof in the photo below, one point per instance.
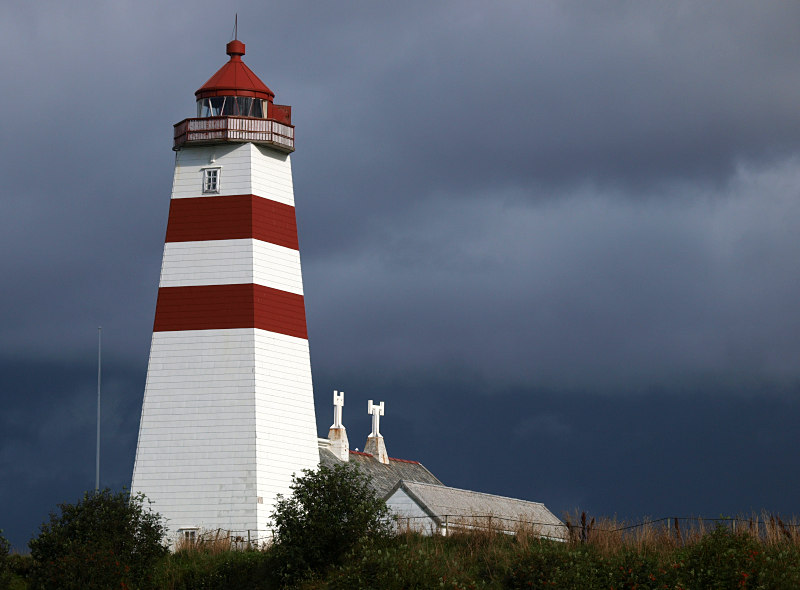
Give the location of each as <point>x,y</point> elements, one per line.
<point>235,47</point>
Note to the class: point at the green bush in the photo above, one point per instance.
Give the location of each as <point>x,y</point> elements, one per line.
<point>410,562</point>
<point>20,565</point>
<point>5,574</point>
<point>722,559</point>
<point>476,560</point>
<point>631,570</point>
<point>781,569</point>
<point>105,540</point>
<point>196,570</point>
<point>330,512</point>
<point>538,567</point>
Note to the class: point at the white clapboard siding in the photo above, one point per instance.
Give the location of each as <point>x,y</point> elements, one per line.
<point>231,262</point>
<point>225,429</point>
<point>245,169</point>
<point>412,516</point>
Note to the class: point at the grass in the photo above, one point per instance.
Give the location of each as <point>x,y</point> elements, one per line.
<point>757,551</point>
<point>752,552</point>
<point>609,535</point>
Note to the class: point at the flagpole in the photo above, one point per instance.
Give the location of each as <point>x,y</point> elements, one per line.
<point>99,365</point>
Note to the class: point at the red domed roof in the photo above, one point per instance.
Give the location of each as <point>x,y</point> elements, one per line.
<point>235,78</point>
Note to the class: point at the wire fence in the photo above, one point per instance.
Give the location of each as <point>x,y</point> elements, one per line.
<point>222,539</point>
<point>448,523</point>
<point>583,529</point>
<point>679,529</point>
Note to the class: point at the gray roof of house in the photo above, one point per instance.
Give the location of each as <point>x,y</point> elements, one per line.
<point>383,477</point>
<point>464,507</point>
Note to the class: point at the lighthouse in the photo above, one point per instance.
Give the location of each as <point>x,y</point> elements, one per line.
<point>228,410</point>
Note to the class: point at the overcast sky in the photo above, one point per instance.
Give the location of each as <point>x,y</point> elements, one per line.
<point>558,239</point>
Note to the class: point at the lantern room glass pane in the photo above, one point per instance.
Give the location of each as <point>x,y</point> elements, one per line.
<point>258,109</point>
<point>242,106</point>
<point>231,106</point>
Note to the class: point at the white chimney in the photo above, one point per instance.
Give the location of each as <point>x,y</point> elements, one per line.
<point>337,433</point>
<point>375,445</point>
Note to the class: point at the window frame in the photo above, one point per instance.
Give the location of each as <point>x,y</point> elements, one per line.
<point>211,188</point>
<point>189,534</point>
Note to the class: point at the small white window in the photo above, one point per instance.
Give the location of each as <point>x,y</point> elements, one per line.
<point>187,535</point>
<point>210,180</point>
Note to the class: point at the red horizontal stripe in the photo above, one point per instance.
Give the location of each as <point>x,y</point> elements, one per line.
<point>216,307</point>
<point>230,218</point>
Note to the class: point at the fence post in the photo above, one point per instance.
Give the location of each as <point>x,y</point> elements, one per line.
<point>446,530</point>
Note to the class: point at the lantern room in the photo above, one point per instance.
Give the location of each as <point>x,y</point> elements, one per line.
<point>234,105</point>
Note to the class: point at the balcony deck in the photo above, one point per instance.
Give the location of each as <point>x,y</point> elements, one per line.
<point>235,130</point>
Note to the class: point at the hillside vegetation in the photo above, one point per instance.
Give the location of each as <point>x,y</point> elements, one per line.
<point>332,533</point>
<point>765,556</point>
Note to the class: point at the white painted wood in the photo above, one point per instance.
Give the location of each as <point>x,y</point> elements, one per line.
<point>272,174</point>
<point>411,515</point>
<point>231,262</point>
<point>228,416</point>
<point>286,432</point>
<point>245,169</point>
<point>196,453</point>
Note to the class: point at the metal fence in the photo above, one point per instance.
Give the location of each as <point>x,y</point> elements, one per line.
<point>677,529</point>
<point>223,539</point>
<point>450,523</point>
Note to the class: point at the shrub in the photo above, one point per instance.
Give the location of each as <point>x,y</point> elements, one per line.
<point>19,565</point>
<point>330,512</point>
<point>5,574</point>
<point>723,559</point>
<point>538,567</point>
<point>781,567</point>
<point>200,570</point>
<point>630,569</point>
<point>105,540</point>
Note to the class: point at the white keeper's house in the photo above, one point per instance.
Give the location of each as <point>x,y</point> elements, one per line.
<point>228,412</point>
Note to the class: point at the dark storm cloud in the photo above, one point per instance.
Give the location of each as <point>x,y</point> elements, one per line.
<point>47,447</point>
<point>674,294</point>
<point>498,204</point>
<point>565,92</point>
<point>664,455</point>
<point>536,99</point>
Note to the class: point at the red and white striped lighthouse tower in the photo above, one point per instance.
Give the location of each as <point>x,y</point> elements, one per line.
<point>228,412</point>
